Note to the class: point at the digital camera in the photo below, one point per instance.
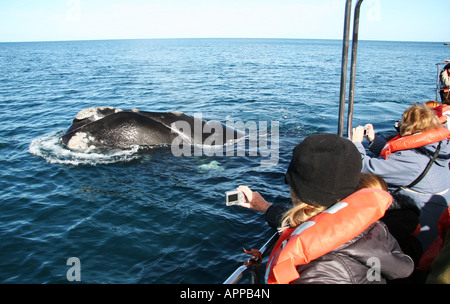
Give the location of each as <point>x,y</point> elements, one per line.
<point>235,197</point>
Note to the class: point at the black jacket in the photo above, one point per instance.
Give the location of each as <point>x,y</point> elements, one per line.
<point>401,218</point>
<point>370,258</point>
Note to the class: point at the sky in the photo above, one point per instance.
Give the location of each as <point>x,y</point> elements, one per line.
<point>54,20</point>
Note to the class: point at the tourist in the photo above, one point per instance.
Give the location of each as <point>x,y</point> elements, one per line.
<point>415,164</point>
<point>324,240</point>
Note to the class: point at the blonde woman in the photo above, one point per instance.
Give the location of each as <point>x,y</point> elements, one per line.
<point>415,164</point>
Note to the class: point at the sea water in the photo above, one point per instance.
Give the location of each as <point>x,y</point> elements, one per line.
<point>127,217</point>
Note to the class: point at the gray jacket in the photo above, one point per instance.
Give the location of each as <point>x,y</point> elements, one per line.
<point>370,258</point>
<point>431,194</point>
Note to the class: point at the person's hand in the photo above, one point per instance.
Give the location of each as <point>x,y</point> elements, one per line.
<point>358,134</point>
<point>254,200</point>
<point>370,132</point>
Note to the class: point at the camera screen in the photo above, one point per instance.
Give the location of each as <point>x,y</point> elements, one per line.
<point>233,197</point>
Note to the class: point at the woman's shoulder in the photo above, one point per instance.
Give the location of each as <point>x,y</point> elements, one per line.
<point>351,262</point>
<point>347,263</point>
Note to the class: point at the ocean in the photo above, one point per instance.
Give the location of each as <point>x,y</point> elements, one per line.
<point>156,218</point>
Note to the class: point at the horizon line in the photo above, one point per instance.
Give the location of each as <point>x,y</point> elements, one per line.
<point>224,38</point>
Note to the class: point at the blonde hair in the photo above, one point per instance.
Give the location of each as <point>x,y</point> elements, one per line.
<point>418,118</point>
<point>301,212</point>
<point>368,180</point>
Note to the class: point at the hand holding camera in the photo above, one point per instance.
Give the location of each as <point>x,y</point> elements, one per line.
<point>360,132</point>
<point>253,200</point>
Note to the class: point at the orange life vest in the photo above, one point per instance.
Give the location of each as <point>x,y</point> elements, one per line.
<point>325,232</point>
<point>399,143</point>
<point>441,110</point>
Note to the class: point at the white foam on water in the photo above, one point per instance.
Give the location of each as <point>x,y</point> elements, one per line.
<point>211,166</point>
<point>49,148</point>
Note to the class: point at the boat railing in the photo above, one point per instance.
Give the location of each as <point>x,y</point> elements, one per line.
<point>251,266</point>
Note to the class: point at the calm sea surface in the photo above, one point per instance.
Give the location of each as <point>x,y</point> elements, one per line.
<point>157,218</point>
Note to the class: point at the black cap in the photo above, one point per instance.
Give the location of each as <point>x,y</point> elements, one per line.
<point>324,169</point>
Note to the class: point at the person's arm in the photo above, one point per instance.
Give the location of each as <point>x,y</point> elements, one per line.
<point>273,213</point>
<point>254,200</point>
<point>376,143</point>
<point>400,169</point>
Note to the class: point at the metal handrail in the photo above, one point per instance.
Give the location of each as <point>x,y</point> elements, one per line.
<point>351,97</point>
<point>344,67</point>
<point>344,63</point>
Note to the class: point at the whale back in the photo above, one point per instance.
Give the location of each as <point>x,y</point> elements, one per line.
<point>108,127</point>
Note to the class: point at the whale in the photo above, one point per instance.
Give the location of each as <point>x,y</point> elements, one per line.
<point>113,128</point>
